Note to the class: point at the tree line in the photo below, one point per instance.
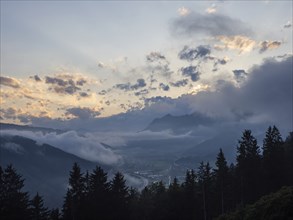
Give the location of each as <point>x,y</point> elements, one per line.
<point>205,193</point>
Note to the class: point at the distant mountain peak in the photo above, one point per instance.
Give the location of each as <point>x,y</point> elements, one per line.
<point>181,123</point>
<point>7,126</point>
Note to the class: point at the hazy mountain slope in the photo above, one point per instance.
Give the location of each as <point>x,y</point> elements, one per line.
<point>45,168</point>
<point>6,126</point>
<point>208,149</point>
<point>179,124</point>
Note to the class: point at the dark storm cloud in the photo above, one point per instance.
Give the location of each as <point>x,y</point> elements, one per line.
<point>240,75</point>
<point>11,82</point>
<point>155,56</point>
<point>140,83</point>
<point>264,97</point>
<point>82,113</point>
<point>180,83</point>
<point>164,87</point>
<point>211,24</point>
<point>266,45</point>
<point>191,54</point>
<point>190,71</point>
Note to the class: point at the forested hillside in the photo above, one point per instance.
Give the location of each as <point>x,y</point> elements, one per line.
<point>206,192</point>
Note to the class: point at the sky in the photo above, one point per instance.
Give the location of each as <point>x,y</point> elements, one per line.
<point>81,61</point>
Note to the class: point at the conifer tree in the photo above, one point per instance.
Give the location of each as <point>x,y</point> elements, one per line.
<point>98,194</point>
<point>190,190</point>
<point>248,167</point>
<point>288,152</point>
<point>14,202</point>
<point>175,202</point>
<point>221,175</point>
<point>205,179</point>
<point>73,200</point>
<point>37,208</point>
<point>273,159</point>
<point>54,214</point>
<point>119,196</point>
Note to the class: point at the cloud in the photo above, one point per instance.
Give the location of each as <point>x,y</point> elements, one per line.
<point>190,71</point>
<point>263,98</point>
<point>141,92</point>
<point>240,75</point>
<point>88,146</point>
<point>219,61</point>
<point>164,87</point>
<point>140,83</point>
<point>191,54</point>
<point>183,11</point>
<point>269,45</point>
<point>58,81</point>
<point>211,24</point>
<point>157,63</point>
<point>8,81</point>
<point>81,82</point>
<point>37,78</point>
<point>103,92</point>
<point>212,9</point>
<point>65,83</point>
<point>288,24</point>
<point>20,114</point>
<point>180,83</point>
<point>13,147</point>
<point>82,113</point>
<point>238,42</point>
<point>10,113</point>
<point>223,61</point>
<point>84,94</point>
<point>155,56</point>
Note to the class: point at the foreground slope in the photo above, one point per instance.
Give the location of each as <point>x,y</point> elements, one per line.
<point>274,206</point>
<point>44,167</point>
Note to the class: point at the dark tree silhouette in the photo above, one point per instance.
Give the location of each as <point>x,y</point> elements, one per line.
<point>273,163</point>
<point>98,194</point>
<point>119,197</point>
<point>248,167</point>
<point>221,174</point>
<point>37,208</point>
<point>75,194</point>
<point>54,214</point>
<point>190,196</point>
<point>14,202</point>
<point>288,152</point>
<point>205,180</point>
<point>204,195</point>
